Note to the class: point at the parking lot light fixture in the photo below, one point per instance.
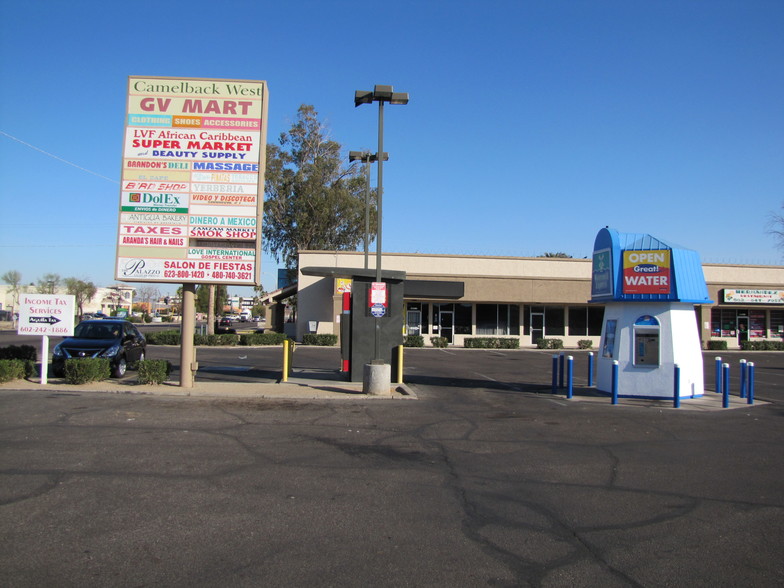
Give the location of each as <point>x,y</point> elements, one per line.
<point>380,94</point>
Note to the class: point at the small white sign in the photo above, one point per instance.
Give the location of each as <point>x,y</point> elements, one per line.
<point>46,314</point>
<point>378,293</point>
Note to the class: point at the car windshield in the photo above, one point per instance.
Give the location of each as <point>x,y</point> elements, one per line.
<point>97,331</point>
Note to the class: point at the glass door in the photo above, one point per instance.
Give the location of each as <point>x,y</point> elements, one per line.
<point>414,322</point>
<point>447,325</point>
<point>537,326</point>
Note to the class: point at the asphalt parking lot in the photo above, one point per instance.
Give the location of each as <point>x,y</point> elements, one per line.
<point>485,479</point>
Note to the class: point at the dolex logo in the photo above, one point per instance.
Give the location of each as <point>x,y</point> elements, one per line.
<point>164,199</point>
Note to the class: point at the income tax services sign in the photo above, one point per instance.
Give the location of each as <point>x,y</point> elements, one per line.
<point>192,184</point>
<point>646,272</point>
<point>46,314</point>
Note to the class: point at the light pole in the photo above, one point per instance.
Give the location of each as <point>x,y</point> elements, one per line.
<point>366,158</point>
<point>380,94</point>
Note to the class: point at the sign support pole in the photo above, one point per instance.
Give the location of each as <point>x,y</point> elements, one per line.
<point>188,364</point>
<point>44,359</point>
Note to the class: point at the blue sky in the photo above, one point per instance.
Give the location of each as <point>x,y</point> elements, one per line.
<point>531,124</point>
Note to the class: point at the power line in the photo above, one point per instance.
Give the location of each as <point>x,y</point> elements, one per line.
<point>57,158</point>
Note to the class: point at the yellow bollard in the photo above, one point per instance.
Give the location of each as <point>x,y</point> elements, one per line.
<point>400,364</point>
<point>286,361</point>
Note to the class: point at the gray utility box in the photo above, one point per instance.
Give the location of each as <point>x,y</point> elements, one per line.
<point>364,325</point>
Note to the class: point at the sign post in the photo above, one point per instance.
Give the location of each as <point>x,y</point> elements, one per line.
<point>45,315</point>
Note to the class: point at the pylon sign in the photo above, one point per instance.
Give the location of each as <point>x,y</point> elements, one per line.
<point>191,195</point>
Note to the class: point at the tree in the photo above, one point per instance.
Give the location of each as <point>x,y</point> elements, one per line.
<point>13,278</point>
<point>312,200</point>
<point>148,294</point>
<point>556,254</point>
<point>49,284</point>
<point>775,227</point>
<point>82,292</point>
<point>203,298</point>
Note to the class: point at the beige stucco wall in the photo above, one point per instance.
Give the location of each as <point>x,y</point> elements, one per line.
<point>510,280</point>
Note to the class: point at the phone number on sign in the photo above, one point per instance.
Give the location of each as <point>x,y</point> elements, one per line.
<point>42,330</point>
<point>215,275</point>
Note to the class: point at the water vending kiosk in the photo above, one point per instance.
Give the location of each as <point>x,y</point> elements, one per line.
<point>649,289</point>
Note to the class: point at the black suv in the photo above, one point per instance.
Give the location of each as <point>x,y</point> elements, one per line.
<point>118,340</point>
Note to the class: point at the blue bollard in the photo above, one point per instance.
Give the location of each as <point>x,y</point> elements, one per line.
<point>750,395</point>
<point>718,376</point>
<point>725,401</point>
<point>676,393</point>
<point>561,371</point>
<point>569,376</point>
<point>615,382</point>
<point>555,374</point>
<point>743,378</point>
<point>590,369</point>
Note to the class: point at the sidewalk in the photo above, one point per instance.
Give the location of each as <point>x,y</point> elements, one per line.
<point>294,389</point>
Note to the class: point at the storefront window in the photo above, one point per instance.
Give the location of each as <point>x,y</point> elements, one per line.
<point>463,319</point>
<point>777,323</point>
<point>757,328</point>
<point>724,322</point>
<point>553,321</point>
<point>497,319</point>
<point>578,321</point>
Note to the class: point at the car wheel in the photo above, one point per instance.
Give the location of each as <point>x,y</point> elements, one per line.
<point>120,368</point>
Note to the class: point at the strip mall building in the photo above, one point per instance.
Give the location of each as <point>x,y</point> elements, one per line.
<point>528,298</point>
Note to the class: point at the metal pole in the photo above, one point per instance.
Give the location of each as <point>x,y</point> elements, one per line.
<point>615,382</point>
<point>718,375</point>
<point>590,369</point>
<point>367,206</point>
<point>561,370</point>
<point>569,376</point>
<point>750,395</point>
<point>380,189</point>
<point>725,400</point>
<point>743,378</point>
<point>676,393</point>
<point>555,374</point>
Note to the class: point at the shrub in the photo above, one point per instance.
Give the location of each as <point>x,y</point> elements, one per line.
<point>549,343</point>
<point>88,369</point>
<point>717,345</point>
<point>168,337</point>
<point>217,340</point>
<point>324,339</point>
<point>413,341</point>
<point>154,371</point>
<point>18,352</point>
<point>262,338</point>
<point>439,341</point>
<point>585,344</point>
<point>762,345</point>
<point>13,369</point>
<point>492,343</point>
